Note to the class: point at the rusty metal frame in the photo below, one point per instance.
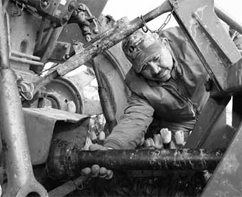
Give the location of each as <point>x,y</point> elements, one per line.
<point>226,179</point>
<point>200,22</point>
<point>219,55</point>
<point>20,178</point>
<point>211,42</point>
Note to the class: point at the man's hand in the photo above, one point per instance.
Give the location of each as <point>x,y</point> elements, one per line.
<point>96,170</point>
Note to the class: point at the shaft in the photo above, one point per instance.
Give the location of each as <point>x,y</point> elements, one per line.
<point>20,177</point>
<point>66,160</point>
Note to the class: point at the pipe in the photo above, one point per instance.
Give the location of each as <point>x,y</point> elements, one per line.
<point>17,53</point>
<point>26,61</point>
<point>66,160</point>
<point>20,178</point>
<point>228,19</point>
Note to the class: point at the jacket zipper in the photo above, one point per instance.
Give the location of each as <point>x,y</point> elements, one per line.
<point>185,98</point>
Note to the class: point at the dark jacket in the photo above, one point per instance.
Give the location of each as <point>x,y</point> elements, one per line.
<point>177,102</point>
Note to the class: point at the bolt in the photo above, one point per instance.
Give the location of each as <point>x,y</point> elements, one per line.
<point>65,19</point>
<point>45,3</point>
<point>66,57</point>
<point>88,38</point>
<point>208,85</point>
<point>71,6</point>
<point>95,30</point>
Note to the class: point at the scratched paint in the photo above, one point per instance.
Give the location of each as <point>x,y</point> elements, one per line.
<point>193,22</point>
<point>200,11</point>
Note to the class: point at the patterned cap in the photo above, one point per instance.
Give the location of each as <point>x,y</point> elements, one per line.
<point>140,47</point>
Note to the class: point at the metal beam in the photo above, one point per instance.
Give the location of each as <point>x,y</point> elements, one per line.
<point>226,179</point>
<point>209,39</point>
<point>66,159</point>
<point>20,178</point>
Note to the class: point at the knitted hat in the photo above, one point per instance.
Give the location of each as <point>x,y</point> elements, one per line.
<point>140,47</point>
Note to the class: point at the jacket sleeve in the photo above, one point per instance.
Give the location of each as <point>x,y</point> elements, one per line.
<point>129,132</point>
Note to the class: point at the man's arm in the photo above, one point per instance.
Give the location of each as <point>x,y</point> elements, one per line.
<point>129,132</point>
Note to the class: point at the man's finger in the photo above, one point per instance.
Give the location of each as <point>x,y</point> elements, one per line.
<point>102,172</point>
<point>95,170</point>
<point>86,171</point>
<point>109,174</point>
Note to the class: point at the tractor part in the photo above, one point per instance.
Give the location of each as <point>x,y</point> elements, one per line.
<point>107,108</point>
<point>228,19</point>
<point>108,39</point>
<point>67,159</point>
<point>203,28</point>
<point>68,187</point>
<point>223,62</point>
<point>226,178</point>
<point>20,178</point>
<point>42,123</point>
<point>83,17</point>
<point>57,11</point>
<point>60,92</point>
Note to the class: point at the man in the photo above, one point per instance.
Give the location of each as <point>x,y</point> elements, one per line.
<point>167,84</point>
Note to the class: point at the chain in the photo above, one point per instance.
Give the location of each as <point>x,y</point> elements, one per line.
<point>145,28</point>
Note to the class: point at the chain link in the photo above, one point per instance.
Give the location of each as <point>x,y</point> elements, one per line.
<point>145,28</point>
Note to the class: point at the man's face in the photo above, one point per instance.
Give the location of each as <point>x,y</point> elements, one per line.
<point>159,67</point>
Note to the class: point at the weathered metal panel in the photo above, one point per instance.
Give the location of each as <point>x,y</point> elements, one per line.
<point>209,38</point>
<point>226,180</point>
<point>40,124</point>
<point>209,117</point>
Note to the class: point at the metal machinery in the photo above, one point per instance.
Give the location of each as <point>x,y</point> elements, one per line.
<point>35,32</point>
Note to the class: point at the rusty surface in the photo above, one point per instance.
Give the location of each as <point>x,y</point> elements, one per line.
<point>68,187</point>
<point>21,180</point>
<point>226,180</point>
<point>211,114</point>
<point>209,39</point>
<point>66,160</point>
<point>108,39</point>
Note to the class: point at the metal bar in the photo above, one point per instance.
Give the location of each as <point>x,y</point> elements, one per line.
<point>209,38</point>
<point>170,159</point>
<point>19,170</point>
<point>109,39</point>
<point>4,47</point>
<point>234,24</point>
<point>46,37</point>
<point>226,179</point>
<point>233,78</point>
<point>66,160</point>
<point>40,34</point>
<point>51,43</point>
<point>68,187</point>
<point>25,55</point>
<point>210,115</point>
<point>26,61</point>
